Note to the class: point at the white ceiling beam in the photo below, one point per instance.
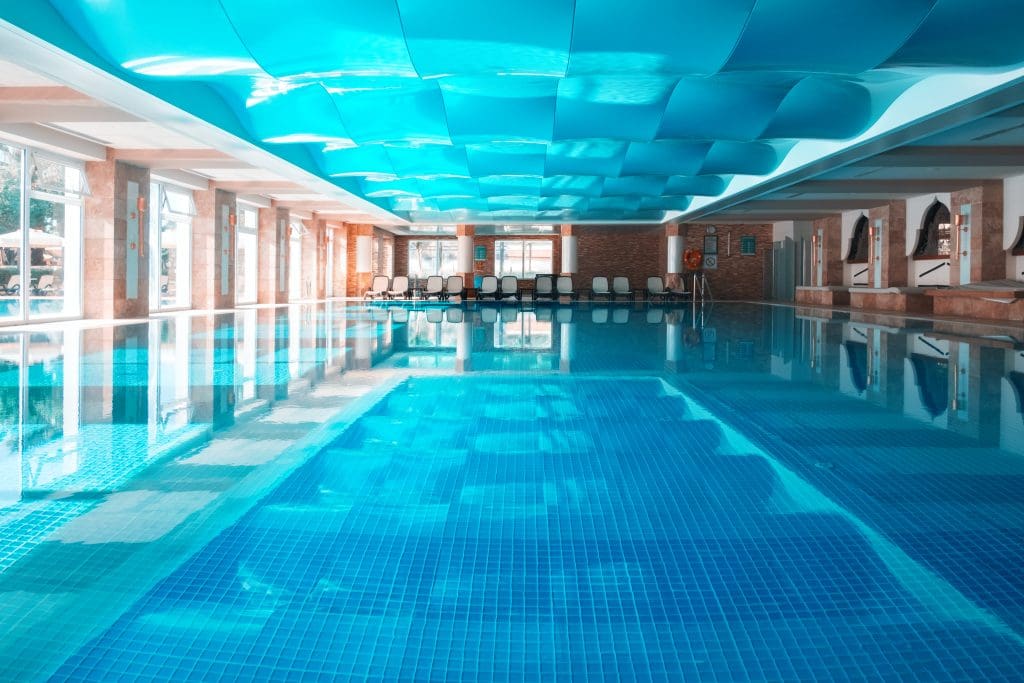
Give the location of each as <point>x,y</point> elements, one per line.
<point>44,137</point>
<point>185,179</point>
<point>179,158</point>
<point>62,113</point>
<point>256,200</point>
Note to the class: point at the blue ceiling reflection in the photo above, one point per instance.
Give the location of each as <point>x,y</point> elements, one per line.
<point>547,110</point>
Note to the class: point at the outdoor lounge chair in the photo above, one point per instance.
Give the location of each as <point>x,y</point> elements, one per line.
<point>563,286</point>
<point>510,287</point>
<point>656,289</point>
<point>399,288</point>
<point>620,288</point>
<point>434,288</point>
<point>488,288</point>
<point>45,286</point>
<point>543,288</point>
<point>378,288</point>
<point>454,287</point>
<point>13,285</point>
<point>599,288</point>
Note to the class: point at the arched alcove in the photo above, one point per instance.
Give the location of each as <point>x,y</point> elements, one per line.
<point>933,239</point>
<point>858,252</point>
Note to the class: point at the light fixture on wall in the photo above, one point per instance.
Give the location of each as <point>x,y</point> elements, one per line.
<point>232,219</point>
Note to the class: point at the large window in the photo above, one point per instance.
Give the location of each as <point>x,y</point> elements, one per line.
<point>48,283</point>
<point>170,247</point>
<point>523,258</point>
<point>245,256</point>
<point>933,239</point>
<point>432,257</point>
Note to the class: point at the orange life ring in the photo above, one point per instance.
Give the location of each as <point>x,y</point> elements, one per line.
<point>692,258</point>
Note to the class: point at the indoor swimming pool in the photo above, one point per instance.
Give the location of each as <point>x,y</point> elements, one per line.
<point>623,492</point>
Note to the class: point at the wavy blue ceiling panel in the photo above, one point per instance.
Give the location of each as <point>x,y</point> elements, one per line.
<point>543,109</point>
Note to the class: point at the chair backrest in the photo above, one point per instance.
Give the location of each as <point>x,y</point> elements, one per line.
<point>454,314</point>
<point>655,315</point>
<point>434,284</point>
<point>542,285</point>
<point>509,314</point>
<point>454,284</point>
<point>44,282</point>
<point>15,281</point>
<point>620,315</point>
<point>509,285</point>
<point>488,284</point>
<point>599,315</point>
<point>655,284</point>
<point>543,314</point>
<point>620,285</point>
<point>564,284</point>
<point>435,315</point>
<point>380,283</point>
<point>489,315</point>
<point>564,315</point>
<point>399,315</point>
<point>400,284</point>
<point>599,284</point>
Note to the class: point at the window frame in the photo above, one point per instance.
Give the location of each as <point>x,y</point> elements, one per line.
<point>861,230</point>
<point>929,226</point>
<point>526,257</point>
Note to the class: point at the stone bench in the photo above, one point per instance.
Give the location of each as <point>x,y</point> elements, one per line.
<point>892,299</point>
<point>823,296</point>
<point>988,301</point>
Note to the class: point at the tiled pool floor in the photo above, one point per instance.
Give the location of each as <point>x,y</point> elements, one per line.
<point>549,529</point>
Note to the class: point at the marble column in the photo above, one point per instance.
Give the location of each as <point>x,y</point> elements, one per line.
<point>889,240</point>
<point>213,250</point>
<point>114,226</point>
<point>272,259</point>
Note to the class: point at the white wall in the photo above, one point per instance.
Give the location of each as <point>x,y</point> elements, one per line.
<point>849,219</point>
<point>917,207</point>
<point>1013,210</point>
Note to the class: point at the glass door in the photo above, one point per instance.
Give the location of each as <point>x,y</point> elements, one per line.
<point>170,247</point>
<point>40,236</point>
<point>245,257</point>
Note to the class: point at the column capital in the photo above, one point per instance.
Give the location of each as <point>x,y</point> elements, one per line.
<point>565,229</point>
<point>465,230</point>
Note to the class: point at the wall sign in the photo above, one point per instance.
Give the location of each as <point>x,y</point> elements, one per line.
<point>480,253</point>
<point>748,245</point>
<point>131,282</point>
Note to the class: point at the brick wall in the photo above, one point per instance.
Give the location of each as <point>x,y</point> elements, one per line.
<point>636,251</point>
<point>988,261</point>
<point>737,276</point>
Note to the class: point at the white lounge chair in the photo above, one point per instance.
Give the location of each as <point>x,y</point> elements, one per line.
<point>399,288</point>
<point>563,286</point>
<point>543,288</point>
<point>620,287</point>
<point>378,288</point>
<point>454,287</point>
<point>434,288</point>
<point>510,287</point>
<point>13,285</point>
<point>656,288</point>
<point>599,288</point>
<point>488,288</point>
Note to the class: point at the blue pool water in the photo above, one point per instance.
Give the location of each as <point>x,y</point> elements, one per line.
<point>589,493</point>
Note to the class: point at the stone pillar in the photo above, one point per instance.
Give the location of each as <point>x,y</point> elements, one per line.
<point>984,223</point>
<point>358,259</point>
<point>829,232</point>
<point>340,272</point>
<point>566,345</point>
<point>213,249</point>
<point>272,256</point>
<point>114,227</point>
<point>464,260</point>
<point>570,262</point>
<point>464,346</point>
<point>673,256</point>
<point>889,244</point>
